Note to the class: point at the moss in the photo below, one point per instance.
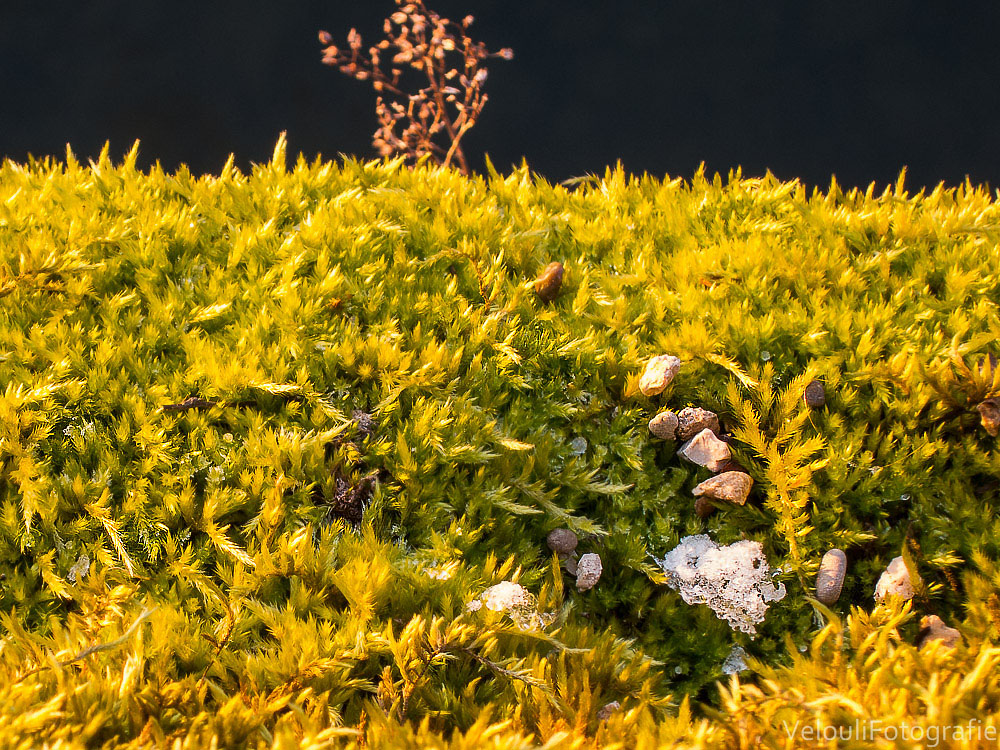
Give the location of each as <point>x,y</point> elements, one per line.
<point>185,359</point>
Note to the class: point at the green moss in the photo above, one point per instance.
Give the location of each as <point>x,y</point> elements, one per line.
<point>308,569</point>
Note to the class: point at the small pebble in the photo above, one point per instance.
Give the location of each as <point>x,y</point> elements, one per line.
<point>588,571</point>
<point>664,425</point>
<point>830,579</point>
<point>549,282</point>
<point>562,540</point>
<point>609,708</point>
<point>933,629</point>
<point>732,486</point>
<point>660,371</point>
<point>895,580</point>
<point>989,415</point>
<point>703,507</point>
<point>705,449</point>
<point>693,419</point>
<point>815,395</point>
<point>569,561</point>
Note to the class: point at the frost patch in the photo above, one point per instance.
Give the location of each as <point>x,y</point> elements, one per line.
<point>516,601</point>
<point>735,580</point>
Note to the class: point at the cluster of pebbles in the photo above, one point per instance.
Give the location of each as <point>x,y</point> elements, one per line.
<point>698,430</point>
<point>586,568</point>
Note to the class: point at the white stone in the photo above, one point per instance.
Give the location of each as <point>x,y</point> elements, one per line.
<point>895,581</point>
<point>660,371</point>
<point>588,571</point>
<point>705,449</point>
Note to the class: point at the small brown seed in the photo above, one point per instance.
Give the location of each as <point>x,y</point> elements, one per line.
<point>693,419</point>
<point>664,425</point>
<point>815,395</point>
<point>830,579</point>
<point>561,540</point>
<point>659,373</point>
<point>989,415</point>
<point>549,282</point>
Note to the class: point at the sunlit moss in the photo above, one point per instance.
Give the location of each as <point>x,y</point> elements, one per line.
<point>247,420</point>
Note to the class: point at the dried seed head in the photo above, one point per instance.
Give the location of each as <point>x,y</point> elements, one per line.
<point>588,571</point>
<point>693,419</point>
<point>815,395</point>
<point>664,425</point>
<point>549,281</point>
<point>830,579</point>
<point>660,371</point>
<point>562,540</point>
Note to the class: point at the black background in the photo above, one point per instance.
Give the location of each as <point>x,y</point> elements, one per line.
<point>805,89</point>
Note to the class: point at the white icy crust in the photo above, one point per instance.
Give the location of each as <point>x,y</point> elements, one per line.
<point>735,580</point>
<point>516,601</point>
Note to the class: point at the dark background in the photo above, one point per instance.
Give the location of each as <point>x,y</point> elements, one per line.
<point>806,89</point>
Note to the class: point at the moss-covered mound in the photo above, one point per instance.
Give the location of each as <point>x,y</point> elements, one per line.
<point>264,438</point>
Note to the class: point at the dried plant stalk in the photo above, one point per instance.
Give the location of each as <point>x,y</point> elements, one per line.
<point>432,121</point>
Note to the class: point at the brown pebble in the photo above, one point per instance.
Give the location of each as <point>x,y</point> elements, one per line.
<point>693,419</point>
<point>815,395</point>
<point>830,579</point>
<point>932,628</point>
<point>549,282</point>
<point>561,540</point>
<point>731,486</point>
<point>659,373</point>
<point>704,507</point>
<point>989,415</point>
<point>664,425</point>
<point>609,708</point>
